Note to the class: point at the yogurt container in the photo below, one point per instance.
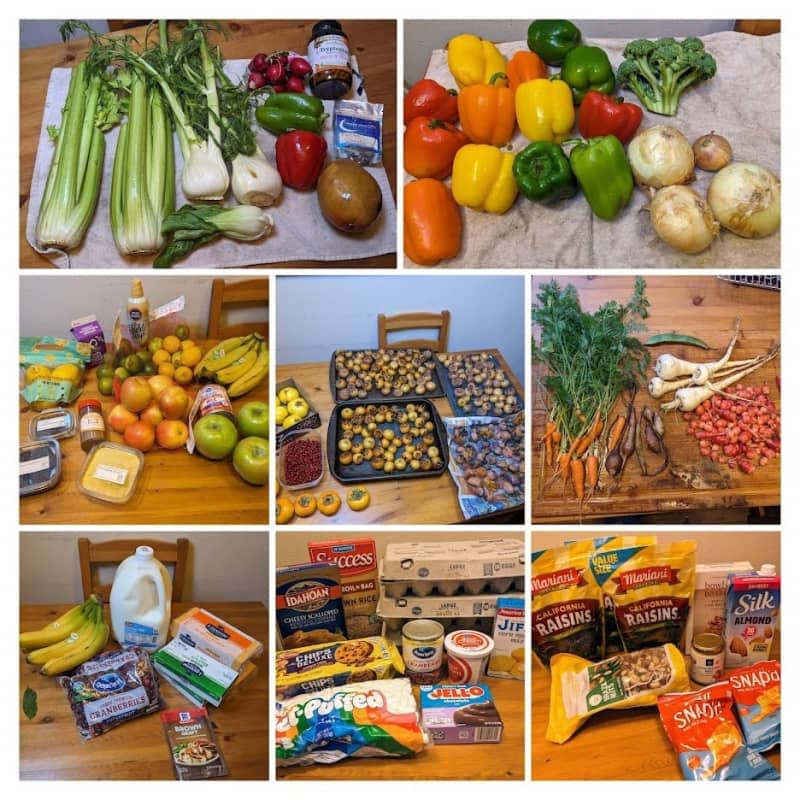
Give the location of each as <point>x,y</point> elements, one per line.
<point>423,650</point>
<point>467,655</point>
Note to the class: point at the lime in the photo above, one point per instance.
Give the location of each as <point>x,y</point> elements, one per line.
<point>149,369</point>
<point>145,356</point>
<point>182,332</point>
<point>133,364</point>
<point>121,373</point>
<point>155,344</point>
<point>104,371</point>
<point>105,385</point>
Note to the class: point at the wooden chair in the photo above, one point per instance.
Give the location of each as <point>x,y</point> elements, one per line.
<point>758,27</point>
<point>239,294</point>
<point>415,320</point>
<point>93,554</point>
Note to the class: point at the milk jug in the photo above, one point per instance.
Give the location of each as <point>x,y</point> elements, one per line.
<point>141,600</point>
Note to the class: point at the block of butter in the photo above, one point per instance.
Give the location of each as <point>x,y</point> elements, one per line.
<point>209,634</point>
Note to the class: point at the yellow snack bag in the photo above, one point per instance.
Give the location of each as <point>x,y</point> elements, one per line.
<point>580,689</point>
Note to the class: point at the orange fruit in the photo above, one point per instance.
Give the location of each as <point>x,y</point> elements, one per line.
<point>187,343</point>
<point>172,344</point>
<point>183,375</point>
<point>191,356</point>
<point>161,357</point>
<point>177,359</point>
<point>166,369</point>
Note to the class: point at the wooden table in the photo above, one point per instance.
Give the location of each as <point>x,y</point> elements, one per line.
<point>612,745</point>
<point>51,748</point>
<point>373,42</point>
<point>407,500</point>
<point>503,761</point>
<point>705,307</point>
<point>174,488</point>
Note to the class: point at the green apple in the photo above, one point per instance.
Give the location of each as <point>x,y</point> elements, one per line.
<point>253,419</point>
<point>215,436</point>
<point>251,460</point>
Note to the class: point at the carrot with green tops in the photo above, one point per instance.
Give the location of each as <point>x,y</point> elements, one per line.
<point>592,473</point>
<point>594,431</point>
<point>615,434</point>
<point>577,471</point>
<point>549,430</point>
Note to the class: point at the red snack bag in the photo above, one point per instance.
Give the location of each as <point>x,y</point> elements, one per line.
<point>705,734</point>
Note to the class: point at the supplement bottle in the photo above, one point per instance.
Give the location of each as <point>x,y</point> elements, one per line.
<point>329,56</point>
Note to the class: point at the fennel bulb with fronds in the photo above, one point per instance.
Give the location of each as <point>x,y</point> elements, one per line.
<point>254,180</point>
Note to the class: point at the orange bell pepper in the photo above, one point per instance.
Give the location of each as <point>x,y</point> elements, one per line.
<point>524,66</point>
<point>487,111</point>
<point>431,223</point>
<point>429,147</point>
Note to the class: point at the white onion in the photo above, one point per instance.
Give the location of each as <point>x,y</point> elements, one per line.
<point>746,199</point>
<point>661,156</point>
<point>682,219</point>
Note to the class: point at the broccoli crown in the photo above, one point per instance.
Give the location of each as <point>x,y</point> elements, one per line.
<point>659,71</point>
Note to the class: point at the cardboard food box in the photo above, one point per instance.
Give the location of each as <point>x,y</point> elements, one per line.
<point>752,607</point>
<point>485,558</point>
<point>436,606</point>
<point>357,560</point>
<point>508,657</point>
<point>311,420</point>
<point>460,714</point>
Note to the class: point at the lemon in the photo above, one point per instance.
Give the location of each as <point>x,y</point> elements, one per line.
<point>166,369</point>
<point>172,344</point>
<point>281,412</point>
<point>191,355</point>
<point>290,420</point>
<point>68,372</point>
<point>177,358</point>
<point>183,375</point>
<point>287,394</point>
<point>35,372</point>
<point>161,357</point>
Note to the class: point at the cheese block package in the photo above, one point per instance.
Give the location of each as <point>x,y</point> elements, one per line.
<point>705,734</point>
<point>579,689</point>
<point>567,604</point>
<point>757,697</point>
<point>308,669</point>
<point>362,720</point>
<point>215,637</point>
<point>650,589</point>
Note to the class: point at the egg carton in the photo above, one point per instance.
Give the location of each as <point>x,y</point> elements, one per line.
<point>452,587</point>
<point>393,628</point>
<point>437,606</point>
<point>465,560</point>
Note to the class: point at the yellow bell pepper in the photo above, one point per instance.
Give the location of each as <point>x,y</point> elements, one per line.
<point>545,110</point>
<point>473,60</point>
<point>482,178</point>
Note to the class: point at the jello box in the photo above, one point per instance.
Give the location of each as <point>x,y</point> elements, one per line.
<point>460,714</point>
<point>752,607</point>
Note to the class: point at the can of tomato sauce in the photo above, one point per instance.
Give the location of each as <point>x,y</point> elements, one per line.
<point>210,399</point>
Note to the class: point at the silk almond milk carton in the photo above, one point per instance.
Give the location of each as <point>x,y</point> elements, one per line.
<point>358,567</point>
<point>752,606</point>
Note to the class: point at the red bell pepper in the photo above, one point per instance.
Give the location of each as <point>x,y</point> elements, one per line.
<point>429,147</point>
<point>601,114</point>
<point>300,156</point>
<point>427,98</point>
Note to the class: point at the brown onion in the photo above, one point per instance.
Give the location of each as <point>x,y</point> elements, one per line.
<point>746,199</point>
<point>712,152</point>
<point>682,219</point>
<point>661,156</point>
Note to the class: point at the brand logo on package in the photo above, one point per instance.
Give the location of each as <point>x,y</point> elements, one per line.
<point>106,684</point>
<point>218,631</point>
<point>352,557</point>
<point>184,716</point>
<point>456,692</point>
<point>193,668</point>
<point>553,581</point>
<point>424,652</point>
<point>308,596</point>
<point>647,576</point>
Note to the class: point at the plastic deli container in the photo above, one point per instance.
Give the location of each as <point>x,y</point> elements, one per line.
<point>110,472</point>
<point>467,655</point>
<point>57,423</point>
<point>39,466</point>
<point>423,650</point>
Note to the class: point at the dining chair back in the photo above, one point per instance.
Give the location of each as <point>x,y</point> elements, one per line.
<point>229,295</point>
<point>93,555</point>
<point>414,321</point>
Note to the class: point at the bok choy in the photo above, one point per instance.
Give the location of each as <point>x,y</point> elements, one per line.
<point>73,181</point>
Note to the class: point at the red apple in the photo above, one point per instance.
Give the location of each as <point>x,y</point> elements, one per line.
<point>136,393</point>
<point>120,418</point>
<point>173,402</point>
<point>152,415</point>
<point>140,435</point>
<point>159,383</point>
<point>172,434</point>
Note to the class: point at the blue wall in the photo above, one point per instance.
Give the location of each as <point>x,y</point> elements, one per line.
<point>319,314</point>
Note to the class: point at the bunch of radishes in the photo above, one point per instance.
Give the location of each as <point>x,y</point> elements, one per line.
<point>281,71</point>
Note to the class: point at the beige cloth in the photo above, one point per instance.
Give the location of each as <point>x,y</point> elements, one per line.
<point>301,231</point>
<point>742,102</point>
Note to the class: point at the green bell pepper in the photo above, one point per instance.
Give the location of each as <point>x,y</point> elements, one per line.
<point>585,69</point>
<point>605,176</point>
<point>543,173</point>
<point>552,39</point>
<point>291,111</point>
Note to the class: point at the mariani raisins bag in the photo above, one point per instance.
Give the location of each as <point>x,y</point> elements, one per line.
<point>649,588</point>
<point>706,736</point>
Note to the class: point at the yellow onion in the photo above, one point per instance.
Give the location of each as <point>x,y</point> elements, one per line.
<point>746,199</point>
<point>661,156</point>
<point>712,152</point>
<point>682,219</point>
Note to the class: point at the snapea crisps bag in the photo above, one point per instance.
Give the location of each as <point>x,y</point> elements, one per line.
<point>567,604</point>
<point>579,689</point>
<point>650,589</point>
<point>757,697</point>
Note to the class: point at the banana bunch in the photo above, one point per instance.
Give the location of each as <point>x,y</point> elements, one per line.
<point>239,363</point>
<point>75,637</point>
